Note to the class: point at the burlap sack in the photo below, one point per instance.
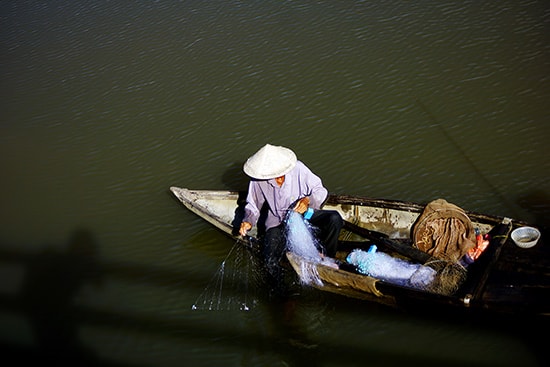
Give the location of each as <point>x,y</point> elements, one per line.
<point>444,231</point>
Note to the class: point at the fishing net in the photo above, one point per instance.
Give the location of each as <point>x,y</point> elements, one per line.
<point>394,270</point>
<point>301,240</point>
<point>437,276</point>
<point>309,274</point>
<point>449,276</point>
<point>234,285</point>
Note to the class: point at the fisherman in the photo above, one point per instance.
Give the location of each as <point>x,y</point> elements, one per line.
<point>284,183</point>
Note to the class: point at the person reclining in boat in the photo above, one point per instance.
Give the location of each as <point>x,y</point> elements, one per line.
<point>279,179</point>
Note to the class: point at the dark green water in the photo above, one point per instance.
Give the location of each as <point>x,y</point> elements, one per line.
<point>105,105</point>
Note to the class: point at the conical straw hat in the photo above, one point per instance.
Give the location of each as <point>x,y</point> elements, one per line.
<point>269,162</point>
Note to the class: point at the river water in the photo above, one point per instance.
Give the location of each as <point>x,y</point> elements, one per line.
<point>105,105</point>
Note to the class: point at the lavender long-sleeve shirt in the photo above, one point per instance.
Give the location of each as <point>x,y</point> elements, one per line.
<point>299,182</point>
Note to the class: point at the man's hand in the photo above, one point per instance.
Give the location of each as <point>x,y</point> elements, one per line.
<point>302,205</point>
<point>245,227</point>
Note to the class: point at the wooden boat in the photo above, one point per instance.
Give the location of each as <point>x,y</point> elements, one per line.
<point>505,279</point>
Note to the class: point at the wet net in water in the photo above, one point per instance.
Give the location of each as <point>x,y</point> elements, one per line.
<point>234,285</point>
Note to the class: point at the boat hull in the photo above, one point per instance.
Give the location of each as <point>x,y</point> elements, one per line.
<point>505,279</point>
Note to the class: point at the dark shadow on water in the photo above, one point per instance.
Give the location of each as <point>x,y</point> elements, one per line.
<point>234,178</point>
<point>289,337</point>
<point>52,280</point>
<point>47,296</point>
<point>538,204</point>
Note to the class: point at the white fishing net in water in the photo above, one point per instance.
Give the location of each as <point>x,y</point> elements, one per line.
<point>235,283</point>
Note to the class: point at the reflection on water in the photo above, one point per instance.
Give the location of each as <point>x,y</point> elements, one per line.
<point>107,105</point>
<point>52,282</point>
<point>47,298</point>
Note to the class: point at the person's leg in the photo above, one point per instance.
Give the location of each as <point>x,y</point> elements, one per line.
<point>273,252</point>
<point>329,223</point>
